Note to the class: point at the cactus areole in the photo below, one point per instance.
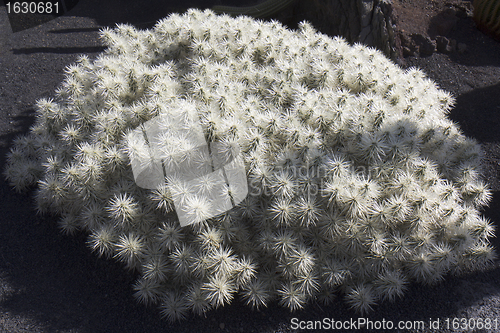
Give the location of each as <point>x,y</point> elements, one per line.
<point>227,157</point>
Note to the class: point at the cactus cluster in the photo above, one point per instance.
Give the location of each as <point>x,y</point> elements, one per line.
<point>357,181</point>
<point>487,16</point>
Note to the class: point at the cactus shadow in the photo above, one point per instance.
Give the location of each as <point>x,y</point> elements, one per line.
<point>57,283</point>
<point>442,23</point>
<point>143,14</point>
<point>478,113</point>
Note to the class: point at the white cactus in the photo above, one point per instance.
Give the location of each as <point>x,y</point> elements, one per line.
<point>356,179</point>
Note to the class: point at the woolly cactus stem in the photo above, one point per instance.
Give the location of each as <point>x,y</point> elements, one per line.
<point>219,156</point>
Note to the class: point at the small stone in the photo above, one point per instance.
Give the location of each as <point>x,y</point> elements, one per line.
<point>442,44</point>
<point>463,9</point>
<point>446,22</point>
<point>461,47</point>
<point>461,13</point>
<point>408,46</point>
<point>222,326</point>
<point>445,45</point>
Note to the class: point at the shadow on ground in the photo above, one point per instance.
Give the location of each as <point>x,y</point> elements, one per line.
<point>478,114</point>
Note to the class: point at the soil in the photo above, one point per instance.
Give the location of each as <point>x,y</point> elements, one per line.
<point>50,282</point>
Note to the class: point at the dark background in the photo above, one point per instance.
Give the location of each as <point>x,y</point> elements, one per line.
<point>50,282</point>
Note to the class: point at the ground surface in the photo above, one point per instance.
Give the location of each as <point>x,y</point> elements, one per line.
<point>52,283</point>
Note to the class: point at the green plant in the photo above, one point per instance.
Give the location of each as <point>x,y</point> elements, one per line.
<point>356,179</point>
<point>487,16</point>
